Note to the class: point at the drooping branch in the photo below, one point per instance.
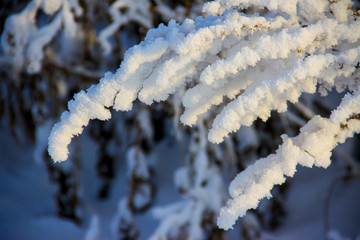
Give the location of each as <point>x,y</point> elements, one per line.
<point>257,61</point>
<point>312,146</point>
<point>178,54</point>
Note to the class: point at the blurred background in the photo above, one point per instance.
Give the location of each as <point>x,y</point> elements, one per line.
<point>132,177</point>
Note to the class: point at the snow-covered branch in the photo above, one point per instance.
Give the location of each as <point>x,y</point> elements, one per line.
<point>23,40</point>
<point>252,63</point>
<point>312,146</point>
<point>122,12</point>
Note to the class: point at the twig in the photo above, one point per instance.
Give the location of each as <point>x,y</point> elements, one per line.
<point>355,12</point>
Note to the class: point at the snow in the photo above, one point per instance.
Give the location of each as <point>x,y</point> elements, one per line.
<point>307,213</point>
<point>219,6</point>
<point>93,232</point>
<point>312,146</point>
<point>133,11</point>
<point>165,62</point>
<point>38,41</point>
<point>350,106</point>
<point>27,205</point>
<point>23,41</point>
<point>50,7</point>
<point>28,200</point>
<point>181,50</point>
<point>228,68</point>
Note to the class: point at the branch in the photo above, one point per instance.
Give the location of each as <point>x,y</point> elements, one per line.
<point>312,146</point>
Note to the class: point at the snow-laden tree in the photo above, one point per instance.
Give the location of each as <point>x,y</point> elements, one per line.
<point>255,56</point>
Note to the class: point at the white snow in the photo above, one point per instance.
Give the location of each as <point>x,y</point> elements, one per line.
<point>228,65</point>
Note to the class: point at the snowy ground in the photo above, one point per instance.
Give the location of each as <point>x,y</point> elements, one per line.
<point>27,208</point>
